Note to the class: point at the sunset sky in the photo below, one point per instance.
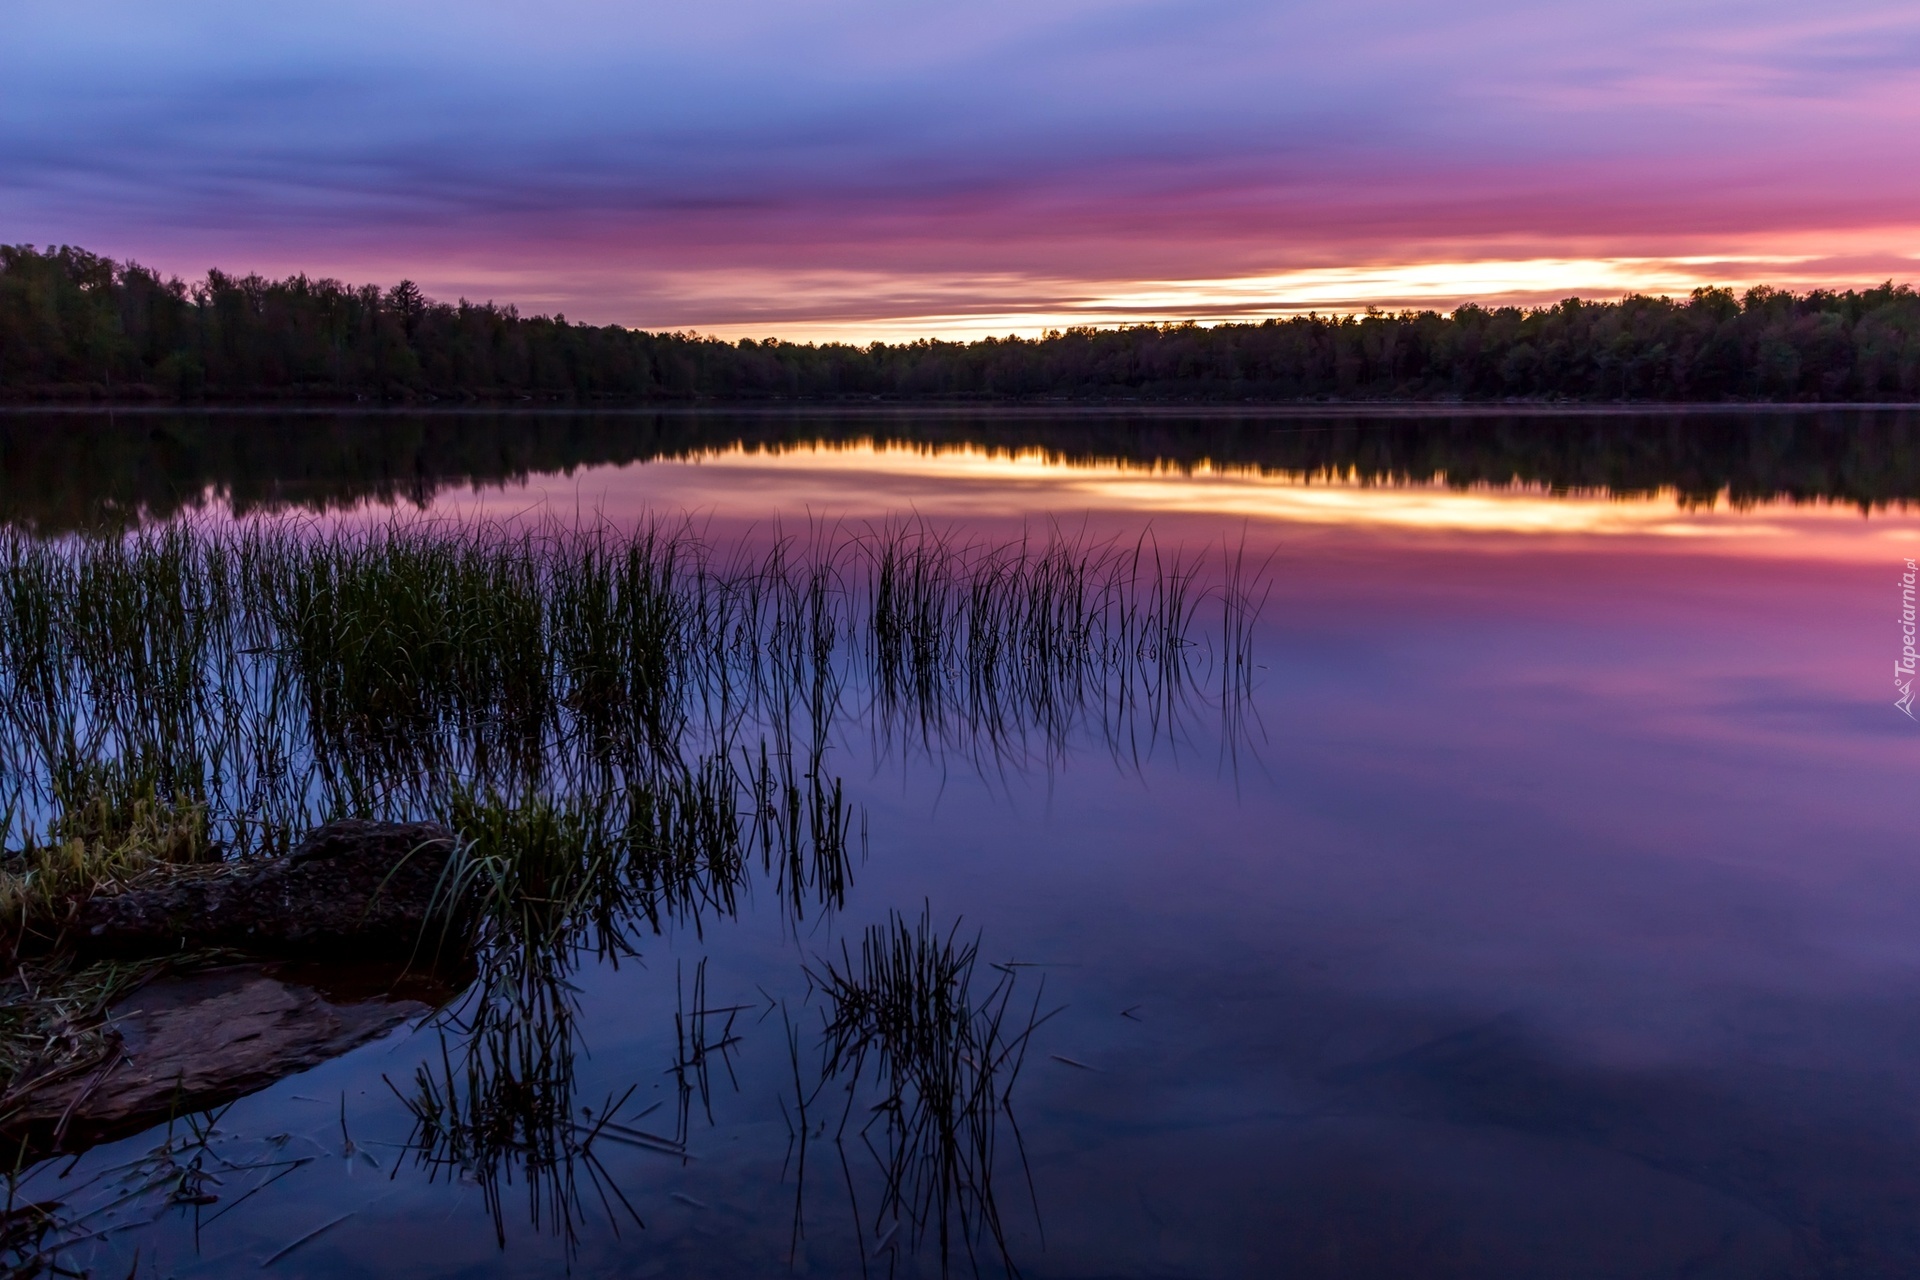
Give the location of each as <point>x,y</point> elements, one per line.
<point>838,168</point>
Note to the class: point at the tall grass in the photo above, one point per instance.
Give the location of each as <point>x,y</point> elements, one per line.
<point>544,882</point>
<point>273,676</point>
<point>622,729</point>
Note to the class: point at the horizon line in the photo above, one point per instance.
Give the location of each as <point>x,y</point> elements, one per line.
<point>861,309</point>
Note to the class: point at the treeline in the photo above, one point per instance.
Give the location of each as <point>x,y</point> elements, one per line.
<point>74,325</point>
<point>100,470</point>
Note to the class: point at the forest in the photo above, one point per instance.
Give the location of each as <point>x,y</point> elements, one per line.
<point>76,326</point>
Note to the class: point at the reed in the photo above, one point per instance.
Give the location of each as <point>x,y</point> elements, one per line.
<point>907,1023</point>
<point>532,879</point>
<point>542,882</point>
<point>271,676</point>
<point>622,729</point>
<point>111,833</point>
<point>498,1106</point>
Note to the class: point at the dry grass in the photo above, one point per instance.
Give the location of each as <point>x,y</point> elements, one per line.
<point>109,841</point>
<point>52,1022</point>
<point>52,1009</point>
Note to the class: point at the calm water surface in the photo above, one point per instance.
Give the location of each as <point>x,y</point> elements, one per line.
<point>1552,910</point>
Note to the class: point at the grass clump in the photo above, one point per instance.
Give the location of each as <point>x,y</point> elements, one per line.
<point>275,675</point>
<point>111,835</point>
<point>908,1027</point>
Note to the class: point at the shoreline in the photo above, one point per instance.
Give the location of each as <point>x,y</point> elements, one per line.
<point>881,408</point>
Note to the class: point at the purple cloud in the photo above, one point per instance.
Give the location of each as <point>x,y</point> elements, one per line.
<point>607,158</point>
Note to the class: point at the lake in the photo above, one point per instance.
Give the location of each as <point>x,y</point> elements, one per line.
<point>1520,880</point>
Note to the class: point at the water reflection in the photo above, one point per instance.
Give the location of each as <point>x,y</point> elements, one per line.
<point>1565,923</point>
<point>626,732</point>
<point>86,470</point>
<point>927,1063</point>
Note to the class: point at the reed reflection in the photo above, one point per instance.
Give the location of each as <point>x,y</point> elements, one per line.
<point>927,1060</point>
<point>625,733</point>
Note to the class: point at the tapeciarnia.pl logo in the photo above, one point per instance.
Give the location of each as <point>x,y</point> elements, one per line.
<point>1903,669</point>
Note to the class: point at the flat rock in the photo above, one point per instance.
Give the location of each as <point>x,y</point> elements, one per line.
<point>188,1042</point>
<point>352,890</point>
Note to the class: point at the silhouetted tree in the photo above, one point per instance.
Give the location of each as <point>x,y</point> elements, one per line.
<point>76,325</point>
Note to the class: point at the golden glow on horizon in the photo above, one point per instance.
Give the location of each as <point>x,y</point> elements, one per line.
<point>828,307</point>
<point>868,482</point>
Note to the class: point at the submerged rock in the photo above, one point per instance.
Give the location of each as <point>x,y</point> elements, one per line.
<point>187,1042</point>
<point>352,889</point>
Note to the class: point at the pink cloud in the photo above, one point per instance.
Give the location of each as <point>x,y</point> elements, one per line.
<point>844,161</point>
